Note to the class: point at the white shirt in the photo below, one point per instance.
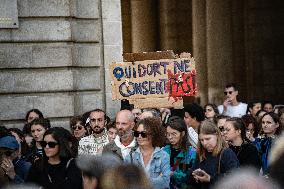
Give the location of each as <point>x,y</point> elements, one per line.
<point>234,111</point>
<point>125,150</point>
<point>192,137</point>
<point>91,144</point>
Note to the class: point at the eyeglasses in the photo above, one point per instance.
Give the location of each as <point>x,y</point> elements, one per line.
<point>50,144</point>
<point>142,133</point>
<point>230,92</point>
<point>77,127</point>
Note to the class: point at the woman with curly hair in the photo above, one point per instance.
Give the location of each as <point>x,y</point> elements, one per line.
<point>150,136</point>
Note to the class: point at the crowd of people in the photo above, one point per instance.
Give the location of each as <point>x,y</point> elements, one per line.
<point>233,145</point>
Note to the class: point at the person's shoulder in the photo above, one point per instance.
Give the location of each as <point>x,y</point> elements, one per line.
<point>228,153</point>
<point>242,104</point>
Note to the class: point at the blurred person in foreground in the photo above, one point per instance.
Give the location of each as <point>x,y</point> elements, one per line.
<point>126,177</point>
<point>276,158</point>
<point>94,167</point>
<point>245,179</point>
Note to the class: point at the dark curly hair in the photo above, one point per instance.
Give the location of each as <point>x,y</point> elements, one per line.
<point>153,126</point>
<point>249,119</point>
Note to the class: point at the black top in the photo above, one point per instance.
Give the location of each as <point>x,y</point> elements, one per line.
<point>247,155</point>
<point>174,153</point>
<point>210,165</point>
<point>60,176</point>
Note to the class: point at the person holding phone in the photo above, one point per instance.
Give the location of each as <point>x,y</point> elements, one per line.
<point>214,157</point>
<point>231,107</point>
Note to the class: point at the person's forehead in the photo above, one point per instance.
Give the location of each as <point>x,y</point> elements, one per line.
<point>268,105</point>
<point>230,89</point>
<point>33,114</point>
<point>97,115</point>
<point>122,117</point>
<point>136,111</point>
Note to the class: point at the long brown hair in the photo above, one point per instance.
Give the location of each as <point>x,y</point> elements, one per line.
<point>208,127</point>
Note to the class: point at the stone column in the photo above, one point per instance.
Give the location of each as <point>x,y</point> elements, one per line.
<point>219,48</point>
<point>144,25</point>
<point>199,47</point>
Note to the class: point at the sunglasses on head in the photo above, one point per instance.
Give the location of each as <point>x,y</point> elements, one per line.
<point>142,133</point>
<point>77,127</point>
<point>229,92</point>
<point>50,144</point>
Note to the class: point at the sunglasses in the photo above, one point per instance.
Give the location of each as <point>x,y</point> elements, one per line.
<point>8,153</point>
<point>229,92</point>
<point>142,133</point>
<point>221,129</point>
<point>50,144</point>
<point>79,127</point>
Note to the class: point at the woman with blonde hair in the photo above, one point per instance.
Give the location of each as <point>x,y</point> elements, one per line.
<point>214,156</point>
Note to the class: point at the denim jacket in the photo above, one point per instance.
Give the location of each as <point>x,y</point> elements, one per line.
<point>159,170</point>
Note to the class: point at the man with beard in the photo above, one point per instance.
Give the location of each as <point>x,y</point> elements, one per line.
<point>99,138</point>
<point>124,142</point>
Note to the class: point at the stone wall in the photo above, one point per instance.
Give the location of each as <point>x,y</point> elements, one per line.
<point>57,60</point>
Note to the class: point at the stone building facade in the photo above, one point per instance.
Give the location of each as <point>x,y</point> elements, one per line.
<point>57,60</point>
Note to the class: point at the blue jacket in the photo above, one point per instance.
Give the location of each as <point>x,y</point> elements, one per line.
<point>159,170</point>
<point>263,146</point>
<point>182,166</point>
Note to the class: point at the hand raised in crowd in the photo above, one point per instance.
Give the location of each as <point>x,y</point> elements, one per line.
<point>201,176</point>
<point>8,167</point>
<point>226,102</point>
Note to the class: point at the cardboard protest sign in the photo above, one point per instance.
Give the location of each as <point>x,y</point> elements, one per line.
<point>157,103</point>
<point>152,79</point>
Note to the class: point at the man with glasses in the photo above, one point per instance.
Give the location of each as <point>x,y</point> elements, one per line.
<point>98,138</point>
<point>231,107</point>
<point>124,142</point>
<point>14,168</point>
